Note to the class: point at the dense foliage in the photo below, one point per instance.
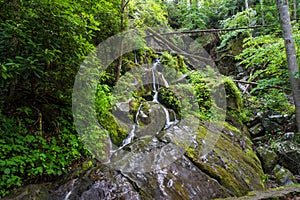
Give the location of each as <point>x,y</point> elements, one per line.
<point>42,45</point>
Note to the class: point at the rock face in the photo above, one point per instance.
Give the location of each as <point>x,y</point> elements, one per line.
<point>232,161</point>
<point>281,193</point>
<point>209,169</point>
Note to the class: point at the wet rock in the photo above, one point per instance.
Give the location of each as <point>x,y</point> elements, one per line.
<point>212,163</point>
<point>180,180</point>
<point>289,136</point>
<point>256,130</point>
<point>289,152</point>
<point>97,183</point>
<point>151,119</point>
<point>271,126</point>
<point>32,192</point>
<point>268,158</point>
<point>283,176</point>
<point>237,169</point>
<point>120,189</point>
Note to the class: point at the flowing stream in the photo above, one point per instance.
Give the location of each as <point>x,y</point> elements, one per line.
<point>155,85</point>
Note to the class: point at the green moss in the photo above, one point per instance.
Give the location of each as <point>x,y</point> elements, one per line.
<point>168,99</point>
<point>178,187</point>
<point>230,127</point>
<point>233,93</point>
<point>234,168</point>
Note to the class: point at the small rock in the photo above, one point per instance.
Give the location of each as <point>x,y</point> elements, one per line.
<point>256,130</point>
<point>289,136</point>
<point>289,152</point>
<point>280,119</point>
<point>268,158</point>
<point>283,176</point>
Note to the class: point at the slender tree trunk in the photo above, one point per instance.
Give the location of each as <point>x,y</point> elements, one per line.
<point>295,10</point>
<point>121,42</point>
<point>283,10</point>
<point>123,6</point>
<point>248,14</point>
<point>262,12</point>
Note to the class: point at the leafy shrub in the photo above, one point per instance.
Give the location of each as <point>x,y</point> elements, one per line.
<point>26,156</point>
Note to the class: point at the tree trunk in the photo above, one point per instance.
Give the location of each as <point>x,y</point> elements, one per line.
<point>283,10</point>
<point>295,10</point>
<point>262,12</point>
<point>123,5</point>
<point>248,14</point>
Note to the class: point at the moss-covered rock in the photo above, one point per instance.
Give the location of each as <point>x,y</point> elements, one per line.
<point>268,157</point>
<point>237,169</point>
<point>283,176</point>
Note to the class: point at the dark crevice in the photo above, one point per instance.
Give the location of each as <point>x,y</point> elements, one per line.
<point>132,183</point>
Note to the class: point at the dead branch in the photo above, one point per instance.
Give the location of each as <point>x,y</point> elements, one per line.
<point>255,83</point>
<point>212,30</point>
<point>193,58</point>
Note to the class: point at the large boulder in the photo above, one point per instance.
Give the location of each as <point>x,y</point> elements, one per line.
<point>210,168</point>
<point>289,152</point>
<point>230,160</point>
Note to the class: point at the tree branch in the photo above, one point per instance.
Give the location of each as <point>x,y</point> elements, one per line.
<point>255,83</point>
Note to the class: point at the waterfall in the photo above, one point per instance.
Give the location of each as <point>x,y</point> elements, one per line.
<point>155,96</point>
<point>130,137</point>
<point>137,114</point>
<point>70,192</point>
<point>154,68</point>
<point>168,122</point>
<point>155,84</point>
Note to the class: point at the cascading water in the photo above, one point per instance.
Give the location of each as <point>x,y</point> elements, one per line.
<point>155,86</point>
<point>155,96</point>
<point>70,192</point>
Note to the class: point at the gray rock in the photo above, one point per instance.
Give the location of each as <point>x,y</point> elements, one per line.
<point>280,119</point>
<point>289,152</point>
<point>210,169</point>
<point>289,136</point>
<point>256,130</point>
<point>283,176</point>
<point>268,158</point>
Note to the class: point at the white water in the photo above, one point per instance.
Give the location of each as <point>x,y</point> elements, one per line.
<point>70,192</point>
<point>155,96</point>
<point>130,137</point>
<point>168,123</point>
<point>164,80</point>
<point>137,114</point>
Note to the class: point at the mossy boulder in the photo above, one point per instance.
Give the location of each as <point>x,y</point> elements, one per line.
<point>283,176</point>
<point>231,162</point>
<point>32,192</point>
<point>268,157</point>
<point>234,101</point>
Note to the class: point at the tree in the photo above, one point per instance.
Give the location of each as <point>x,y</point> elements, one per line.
<point>262,12</point>
<point>295,10</point>
<point>122,18</point>
<point>284,15</point>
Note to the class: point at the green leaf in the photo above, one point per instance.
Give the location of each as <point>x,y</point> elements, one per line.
<point>7,171</point>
